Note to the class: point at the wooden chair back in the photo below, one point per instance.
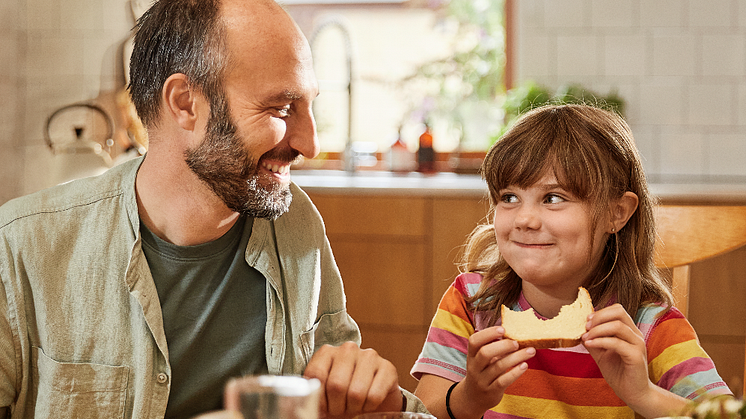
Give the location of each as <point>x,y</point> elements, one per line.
<point>692,233</point>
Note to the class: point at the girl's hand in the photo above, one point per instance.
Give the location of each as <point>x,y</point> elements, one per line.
<point>618,347</point>
<point>492,364</point>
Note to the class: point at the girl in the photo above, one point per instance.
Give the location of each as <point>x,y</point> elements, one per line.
<point>571,208</point>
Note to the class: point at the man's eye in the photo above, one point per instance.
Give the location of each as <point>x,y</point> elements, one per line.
<point>284,111</point>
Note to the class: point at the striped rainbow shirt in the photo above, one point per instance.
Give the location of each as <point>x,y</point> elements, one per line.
<point>566,383</point>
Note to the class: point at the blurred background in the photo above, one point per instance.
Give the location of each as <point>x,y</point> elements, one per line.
<point>386,67</point>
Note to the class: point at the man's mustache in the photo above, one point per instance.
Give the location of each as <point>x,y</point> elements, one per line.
<point>286,155</point>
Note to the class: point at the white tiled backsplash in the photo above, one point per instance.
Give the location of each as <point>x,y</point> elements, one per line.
<point>52,53</point>
<point>680,65</point>
<point>10,101</point>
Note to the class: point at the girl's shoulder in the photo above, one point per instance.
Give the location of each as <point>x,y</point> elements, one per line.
<point>468,283</point>
<point>650,316</point>
<point>651,313</point>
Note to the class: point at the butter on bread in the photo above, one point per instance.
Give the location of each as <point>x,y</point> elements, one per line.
<point>562,331</point>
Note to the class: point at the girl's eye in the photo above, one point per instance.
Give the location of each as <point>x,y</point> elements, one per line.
<point>508,198</point>
<point>553,199</point>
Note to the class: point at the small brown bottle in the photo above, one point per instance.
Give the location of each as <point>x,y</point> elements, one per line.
<point>426,153</point>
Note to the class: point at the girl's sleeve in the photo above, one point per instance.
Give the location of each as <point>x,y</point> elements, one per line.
<point>676,361</point>
<point>445,349</point>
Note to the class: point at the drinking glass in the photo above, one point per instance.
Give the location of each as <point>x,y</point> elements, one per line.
<point>274,397</point>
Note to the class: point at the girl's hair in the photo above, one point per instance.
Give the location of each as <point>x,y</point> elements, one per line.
<point>592,154</point>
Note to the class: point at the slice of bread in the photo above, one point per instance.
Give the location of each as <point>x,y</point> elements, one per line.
<point>563,331</point>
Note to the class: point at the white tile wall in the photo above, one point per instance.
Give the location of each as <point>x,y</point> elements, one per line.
<point>52,56</point>
<point>59,52</point>
<point>681,151</point>
<point>711,104</point>
<point>625,55</point>
<point>669,99</point>
<point>11,68</point>
<point>84,16</point>
<point>662,13</point>
<point>566,13</point>
<point>613,14</point>
<point>712,14</point>
<point>649,150</point>
<point>723,55</point>
<point>726,152</point>
<point>577,55</point>
<point>42,15</point>
<point>8,57</point>
<point>741,104</point>
<point>680,65</point>
<point>675,54</point>
<point>543,51</point>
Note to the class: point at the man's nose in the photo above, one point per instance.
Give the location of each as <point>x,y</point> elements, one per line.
<point>302,134</point>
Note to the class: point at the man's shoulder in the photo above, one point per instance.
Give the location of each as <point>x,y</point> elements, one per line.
<point>301,206</point>
<point>299,196</point>
<point>302,220</point>
<point>75,194</point>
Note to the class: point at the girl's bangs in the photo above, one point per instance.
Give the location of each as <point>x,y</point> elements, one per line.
<point>528,159</point>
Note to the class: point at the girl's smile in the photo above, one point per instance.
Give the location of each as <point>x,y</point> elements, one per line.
<point>533,245</point>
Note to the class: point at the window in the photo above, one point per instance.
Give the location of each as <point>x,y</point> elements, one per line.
<point>386,69</point>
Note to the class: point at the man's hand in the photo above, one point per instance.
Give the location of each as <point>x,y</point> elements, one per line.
<point>354,381</point>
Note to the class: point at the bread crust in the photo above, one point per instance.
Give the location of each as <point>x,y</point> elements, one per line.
<point>548,343</point>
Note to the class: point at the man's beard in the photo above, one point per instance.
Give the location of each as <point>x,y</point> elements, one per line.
<point>222,161</point>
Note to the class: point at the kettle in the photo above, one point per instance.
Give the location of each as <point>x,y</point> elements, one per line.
<point>76,154</point>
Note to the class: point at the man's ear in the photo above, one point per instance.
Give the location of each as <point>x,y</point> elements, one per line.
<point>182,103</point>
<point>622,210</point>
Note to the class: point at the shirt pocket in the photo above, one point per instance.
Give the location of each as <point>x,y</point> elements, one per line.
<point>332,329</point>
<point>77,389</point>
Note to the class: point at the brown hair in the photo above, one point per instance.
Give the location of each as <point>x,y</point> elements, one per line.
<point>177,36</point>
<point>592,154</point>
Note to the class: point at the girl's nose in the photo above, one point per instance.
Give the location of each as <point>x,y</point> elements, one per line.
<point>528,217</point>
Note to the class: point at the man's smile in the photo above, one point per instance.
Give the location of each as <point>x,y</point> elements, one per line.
<point>277,168</point>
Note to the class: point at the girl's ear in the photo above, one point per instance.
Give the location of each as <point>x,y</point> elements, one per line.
<point>622,210</point>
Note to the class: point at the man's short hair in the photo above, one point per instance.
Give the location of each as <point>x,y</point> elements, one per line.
<point>177,36</point>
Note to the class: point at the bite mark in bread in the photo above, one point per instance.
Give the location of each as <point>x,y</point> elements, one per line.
<point>562,331</point>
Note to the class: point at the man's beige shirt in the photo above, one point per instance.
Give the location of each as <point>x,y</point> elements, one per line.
<point>81,330</point>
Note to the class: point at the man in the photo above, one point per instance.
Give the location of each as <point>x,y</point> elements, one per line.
<point>139,293</point>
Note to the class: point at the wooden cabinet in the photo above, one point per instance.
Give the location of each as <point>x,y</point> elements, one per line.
<point>397,255</point>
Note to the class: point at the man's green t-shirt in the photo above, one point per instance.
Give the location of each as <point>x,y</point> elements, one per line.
<point>214,315</point>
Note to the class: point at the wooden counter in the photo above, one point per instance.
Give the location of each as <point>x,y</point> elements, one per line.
<point>396,255</point>
<point>396,239</point>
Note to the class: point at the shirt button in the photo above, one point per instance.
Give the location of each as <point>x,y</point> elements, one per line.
<point>162,378</point>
